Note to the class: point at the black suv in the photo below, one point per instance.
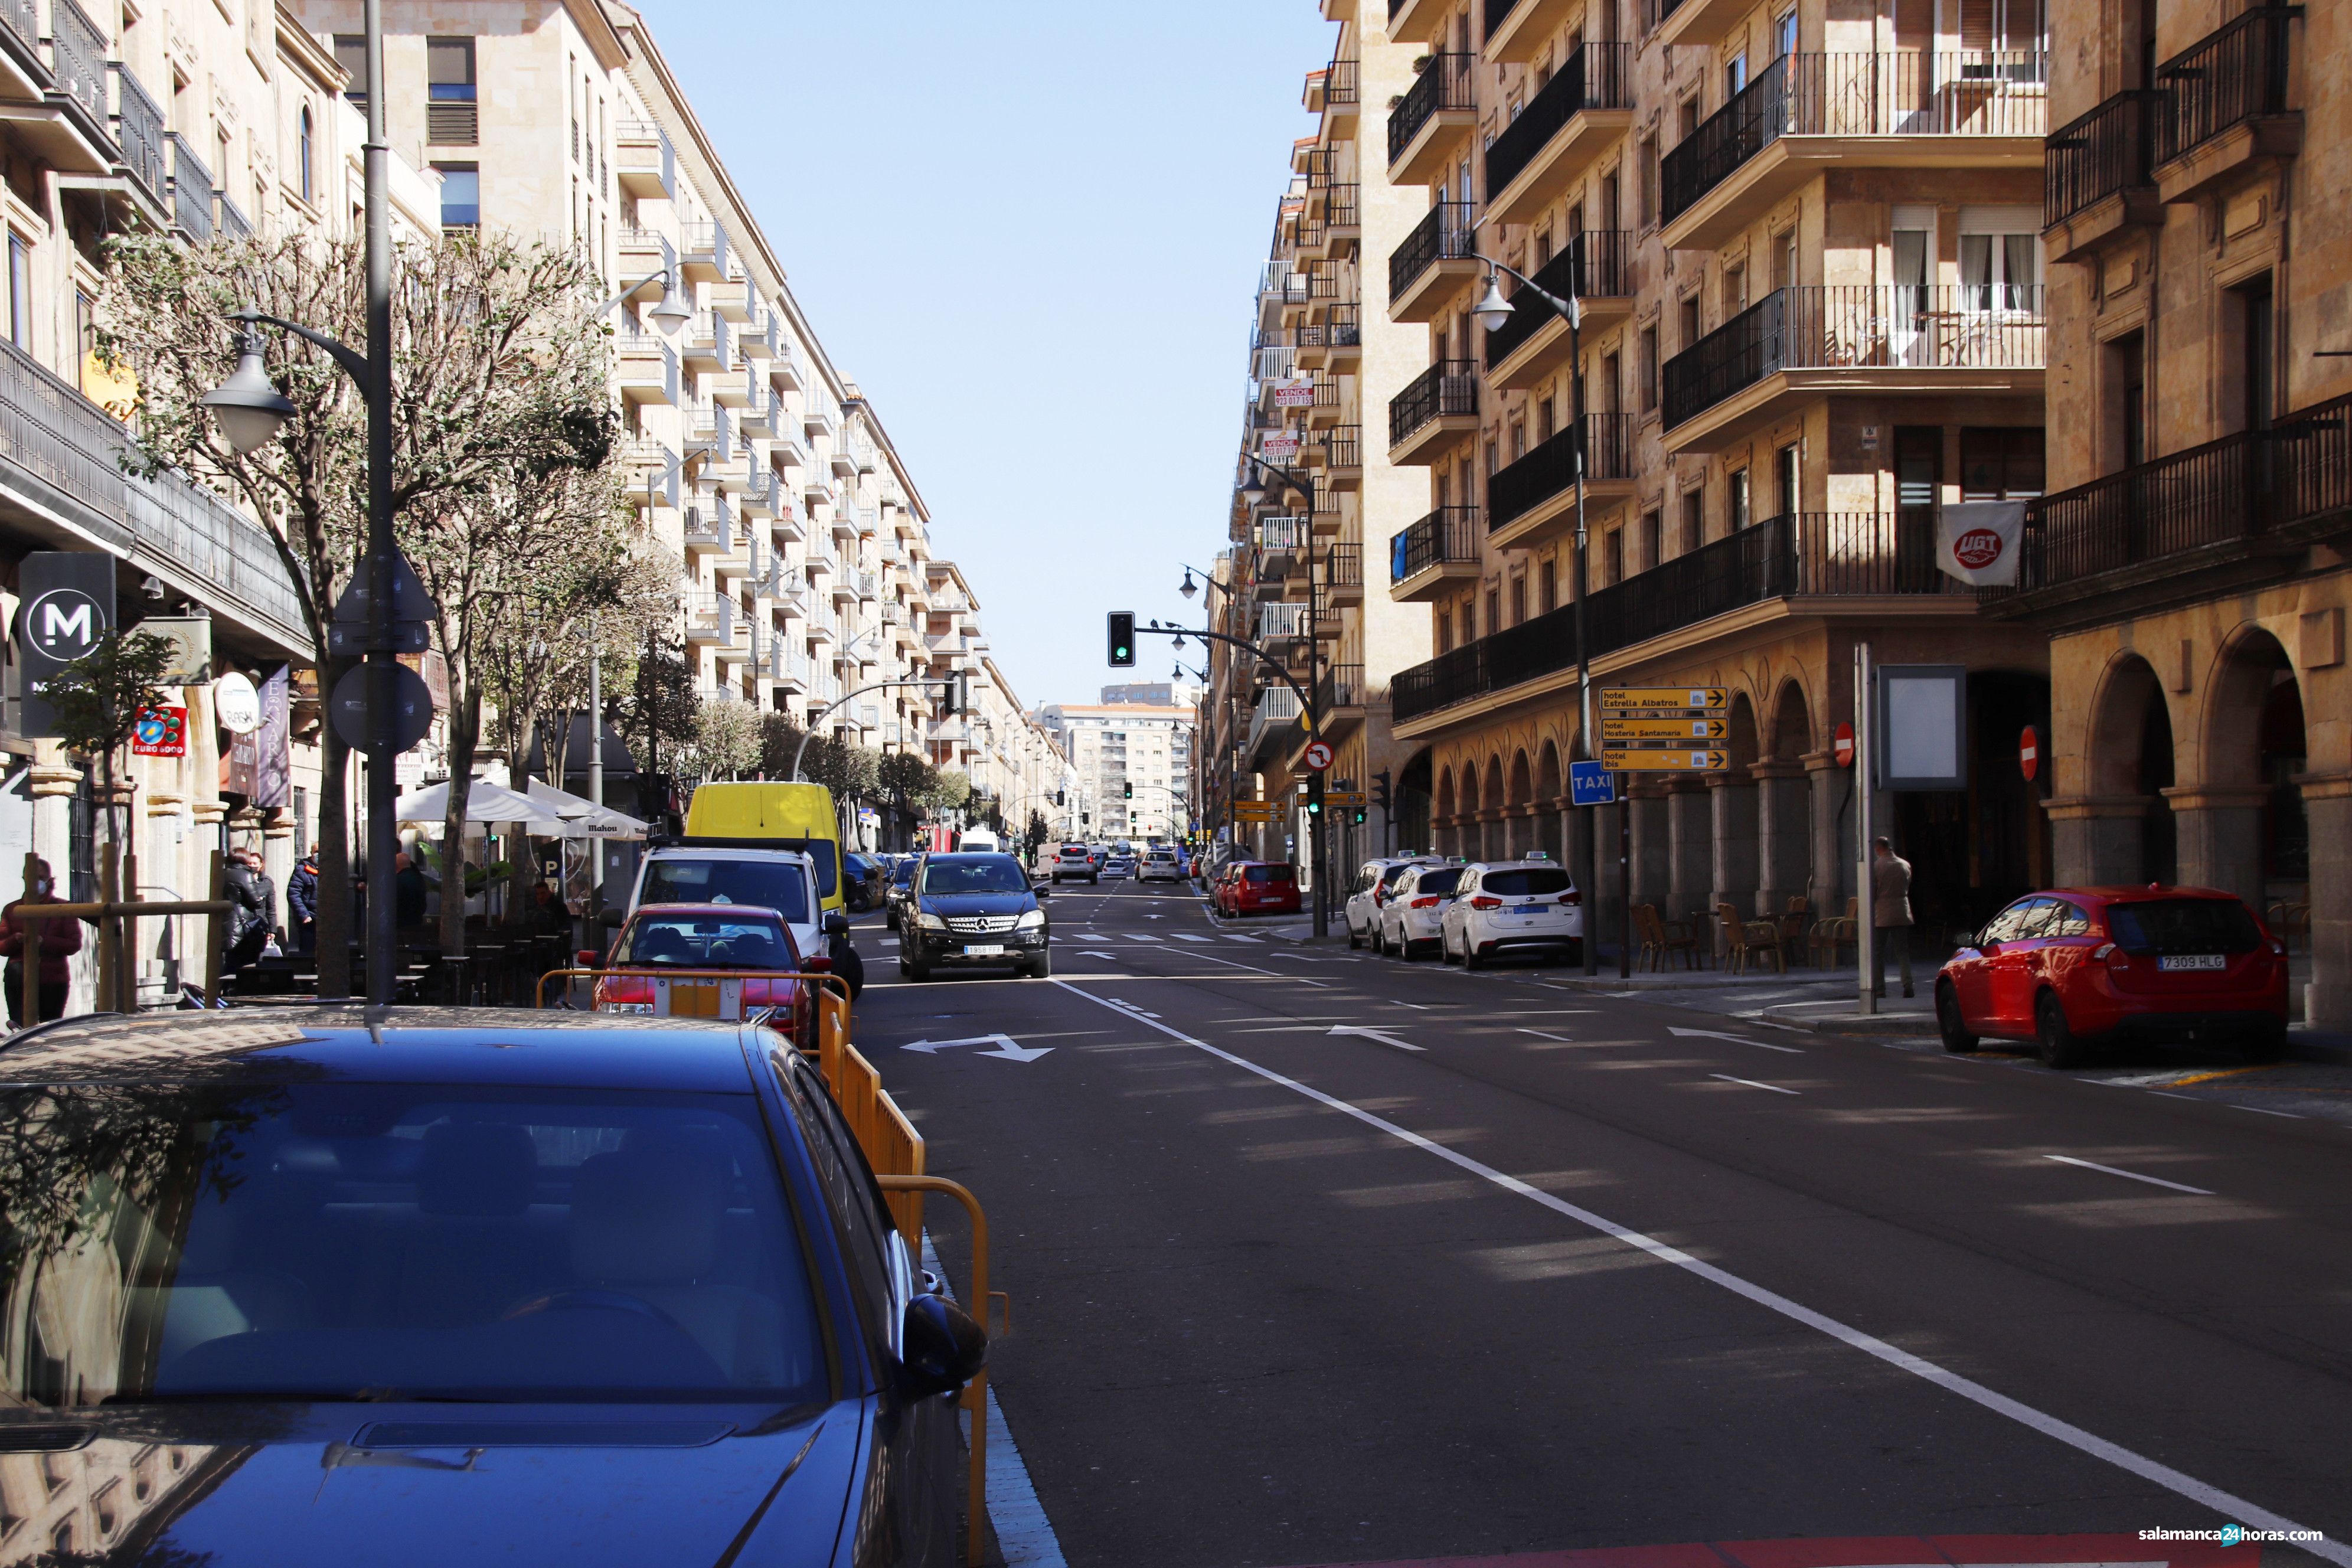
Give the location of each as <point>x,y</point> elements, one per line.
<point>973,911</point>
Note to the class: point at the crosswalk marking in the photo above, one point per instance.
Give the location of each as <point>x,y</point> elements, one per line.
<point>1141,936</point>
<point>1190,936</point>
<point>1236,936</point>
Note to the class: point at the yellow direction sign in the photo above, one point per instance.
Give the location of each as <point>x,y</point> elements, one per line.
<point>1343,797</point>
<point>1644,699</point>
<point>1255,810</point>
<point>1705,730</point>
<point>1649,762</point>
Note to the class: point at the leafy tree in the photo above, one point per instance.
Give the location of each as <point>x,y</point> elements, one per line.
<point>490,356</point>
<point>656,708</point>
<point>726,742</point>
<point>1038,832</point>
<point>951,789</point>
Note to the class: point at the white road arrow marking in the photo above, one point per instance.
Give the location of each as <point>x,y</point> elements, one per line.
<point>1374,1035</point>
<point>1009,1049</point>
<point>1735,1039</point>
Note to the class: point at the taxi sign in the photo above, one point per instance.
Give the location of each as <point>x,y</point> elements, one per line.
<point>1699,762</point>
<point>1684,730</point>
<point>1636,699</point>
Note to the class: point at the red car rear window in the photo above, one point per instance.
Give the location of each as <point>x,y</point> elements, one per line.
<point>1271,874</point>
<point>2183,925</point>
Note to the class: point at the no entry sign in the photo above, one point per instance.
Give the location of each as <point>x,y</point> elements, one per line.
<point>2028,752</point>
<point>1841,745</point>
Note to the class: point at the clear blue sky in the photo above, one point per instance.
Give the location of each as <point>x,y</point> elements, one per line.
<point>1029,232</point>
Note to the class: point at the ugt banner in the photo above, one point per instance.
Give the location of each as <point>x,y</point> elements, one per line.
<point>1978,541</point>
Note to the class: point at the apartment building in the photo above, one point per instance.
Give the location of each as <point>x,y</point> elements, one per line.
<point>1132,762</point>
<point>1803,244</point>
<point>1313,499</point>
<point>2190,566</point>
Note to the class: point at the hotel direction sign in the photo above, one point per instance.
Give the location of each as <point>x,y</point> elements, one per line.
<point>1704,761</point>
<point>1658,702</point>
<point>1671,731</point>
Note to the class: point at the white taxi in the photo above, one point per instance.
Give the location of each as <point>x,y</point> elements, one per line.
<point>1513,906</point>
<point>1412,920</point>
<point>1374,878</point>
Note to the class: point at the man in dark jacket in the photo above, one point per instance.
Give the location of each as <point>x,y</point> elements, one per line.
<point>302,903</point>
<point>408,891</point>
<point>59,940</point>
<point>253,912</point>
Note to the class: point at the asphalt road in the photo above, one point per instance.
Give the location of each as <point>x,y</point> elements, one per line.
<point>1528,1269</point>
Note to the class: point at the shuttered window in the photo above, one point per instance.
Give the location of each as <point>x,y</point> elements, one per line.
<point>451,116</point>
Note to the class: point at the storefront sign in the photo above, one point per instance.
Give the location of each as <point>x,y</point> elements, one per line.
<point>235,704</point>
<point>69,607</point>
<point>160,732</point>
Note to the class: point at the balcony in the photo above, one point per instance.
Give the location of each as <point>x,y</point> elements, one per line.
<point>1273,728</point>
<point>1415,21</point>
<point>1431,555</point>
<point>2225,109</point>
<point>1433,263</point>
<point>644,164</point>
<point>1438,115</point>
<point>648,369</point>
<point>1339,700</point>
<point>1343,457</point>
<point>759,411</point>
<point>1800,344</point>
<point>1518,31</point>
<point>1543,152</point>
<point>1534,339</point>
<point>23,75</point>
<point>761,494</point>
<point>703,254</point>
<point>707,347</point>
<point>708,529</point>
<point>1806,113</point>
<point>1340,97</point>
<point>1343,218</point>
<point>71,130</point>
<point>139,133</point>
<point>1534,499</point>
<point>192,192</point>
<point>2214,521</point>
<point>653,470</point>
<point>1434,412</point>
<point>2096,178</point>
<point>1334,342</point>
<point>734,299</point>
<point>710,619</point>
<point>1340,579</point>
<point>1866,564</point>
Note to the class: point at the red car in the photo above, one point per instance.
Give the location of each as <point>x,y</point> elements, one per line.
<point>2073,966</point>
<point>706,937</point>
<point>1258,888</point>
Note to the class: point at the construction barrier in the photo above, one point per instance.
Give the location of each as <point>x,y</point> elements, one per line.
<point>974,1398</point>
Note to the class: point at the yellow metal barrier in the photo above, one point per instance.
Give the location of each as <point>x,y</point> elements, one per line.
<point>975,1399</point>
<point>830,1003</point>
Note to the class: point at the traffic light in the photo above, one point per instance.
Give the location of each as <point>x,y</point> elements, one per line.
<point>1357,817</point>
<point>1315,795</point>
<point>955,695</point>
<point>1127,791</point>
<point>1122,640</point>
<point>1379,792</point>
<point>1060,797</point>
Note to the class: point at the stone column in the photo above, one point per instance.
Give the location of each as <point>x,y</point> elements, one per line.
<point>1833,804</point>
<point>1690,825</point>
<point>1783,834</point>
<point>164,876</point>
<point>1653,845</point>
<point>53,785</point>
<point>278,860</point>
<point>1512,816</point>
<point>2327,802</point>
<point>1604,899</point>
<point>2096,839</point>
<point>1731,805</point>
<point>1556,828</point>
<point>2220,838</point>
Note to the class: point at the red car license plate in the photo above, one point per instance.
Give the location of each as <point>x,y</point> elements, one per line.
<point>2192,961</point>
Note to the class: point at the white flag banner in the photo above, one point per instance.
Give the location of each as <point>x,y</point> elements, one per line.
<point>1978,541</point>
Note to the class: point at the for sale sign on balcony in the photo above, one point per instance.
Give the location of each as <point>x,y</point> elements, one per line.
<point>1294,394</point>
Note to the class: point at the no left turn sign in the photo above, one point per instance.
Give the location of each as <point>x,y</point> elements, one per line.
<point>1319,755</point>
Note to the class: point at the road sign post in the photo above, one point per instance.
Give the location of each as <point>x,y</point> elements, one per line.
<point>1657,729</point>
<point>1591,784</point>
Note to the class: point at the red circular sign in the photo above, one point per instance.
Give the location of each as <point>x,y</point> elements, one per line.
<point>1319,755</point>
<point>1977,548</point>
<point>2028,752</point>
<point>1841,745</point>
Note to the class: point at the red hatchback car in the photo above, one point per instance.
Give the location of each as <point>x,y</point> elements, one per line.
<point>1258,888</point>
<point>716,939</point>
<point>2073,967</point>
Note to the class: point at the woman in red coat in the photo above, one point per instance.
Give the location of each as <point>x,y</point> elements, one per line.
<point>60,940</point>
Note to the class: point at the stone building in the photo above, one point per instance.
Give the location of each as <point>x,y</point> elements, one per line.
<point>2191,568</point>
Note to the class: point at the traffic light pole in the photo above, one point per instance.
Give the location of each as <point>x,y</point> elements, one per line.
<point>822,714</point>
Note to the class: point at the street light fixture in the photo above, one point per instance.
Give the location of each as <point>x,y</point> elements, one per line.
<point>250,409</point>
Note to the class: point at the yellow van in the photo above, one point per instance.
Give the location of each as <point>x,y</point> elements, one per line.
<point>778,815</point>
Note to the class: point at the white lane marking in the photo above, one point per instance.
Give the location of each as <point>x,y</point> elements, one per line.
<point>1374,1035</point>
<point>1236,936</point>
<point>1751,1083</point>
<point>1141,936</point>
<point>1735,1039</point>
<point>2169,1095</point>
<point>1539,1034</point>
<point>1023,1531</point>
<point>1237,963</point>
<point>2131,1175</point>
<point>1112,957</point>
<point>2077,1438</point>
<point>2266,1110</point>
<point>1190,936</point>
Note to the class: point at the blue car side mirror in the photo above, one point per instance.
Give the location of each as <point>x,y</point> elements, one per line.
<point>943,1349</point>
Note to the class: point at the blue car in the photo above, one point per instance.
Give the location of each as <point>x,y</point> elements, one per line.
<point>322,1285</point>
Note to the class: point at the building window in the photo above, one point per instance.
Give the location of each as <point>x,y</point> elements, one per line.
<point>1689,322</point>
<point>461,194</point>
<point>1548,584</point>
<point>351,53</point>
<point>2001,464</point>
<point>20,292</point>
<point>2127,400</point>
<point>1649,369</point>
<point>1519,600</point>
<point>451,118</point>
<point>1494,611</point>
<point>303,153</point>
<point>1652,547</point>
<point>1693,520</point>
<point>1649,174</point>
<point>1612,554</point>
<point>1739,510</point>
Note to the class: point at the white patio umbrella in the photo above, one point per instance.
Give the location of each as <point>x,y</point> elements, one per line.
<point>485,803</point>
<point>583,818</point>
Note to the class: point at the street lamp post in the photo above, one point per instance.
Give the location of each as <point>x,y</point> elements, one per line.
<point>1491,312</point>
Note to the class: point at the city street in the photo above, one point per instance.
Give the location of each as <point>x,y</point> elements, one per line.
<point>1318,1259</point>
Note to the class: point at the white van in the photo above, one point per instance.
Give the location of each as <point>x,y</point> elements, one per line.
<point>978,841</point>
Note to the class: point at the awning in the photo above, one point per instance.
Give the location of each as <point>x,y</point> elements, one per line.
<point>583,818</point>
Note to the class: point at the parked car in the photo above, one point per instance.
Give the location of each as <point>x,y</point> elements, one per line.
<point>901,889</point>
<point>1119,866</point>
<point>779,879</point>
<point>741,937</point>
<point>975,910</point>
<point>1160,866</point>
<point>1511,907</point>
<point>1259,887</point>
<point>2074,968</point>
<point>1374,879</point>
<point>1412,917</point>
<point>863,881</point>
<point>433,1284</point>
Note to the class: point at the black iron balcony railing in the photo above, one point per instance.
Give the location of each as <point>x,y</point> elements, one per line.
<point>1343,447</point>
<point>1446,82</point>
<point>1597,76</point>
<point>2108,151</point>
<point>23,18</point>
<point>1322,279</point>
<point>1802,554</point>
<point>1342,566</point>
<point>2236,490</point>
<point>1971,93</point>
<point>1548,468</point>
<point>1445,234</point>
<point>1342,328</point>
<point>2232,76</point>
<point>1342,686</point>
<point>1593,266</point>
<point>78,60</point>
<point>1340,208</point>
<point>1449,533</point>
<point>1447,388</point>
<point>192,191</point>
<point>138,131</point>
<point>1340,83</point>
<point>1971,326</point>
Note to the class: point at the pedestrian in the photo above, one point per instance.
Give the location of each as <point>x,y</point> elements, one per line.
<point>251,898</point>
<point>408,890</point>
<point>1890,912</point>
<point>302,903</point>
<point>60,939</point>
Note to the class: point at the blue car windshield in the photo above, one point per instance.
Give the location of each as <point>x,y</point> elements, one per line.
<point>330,1241</point>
